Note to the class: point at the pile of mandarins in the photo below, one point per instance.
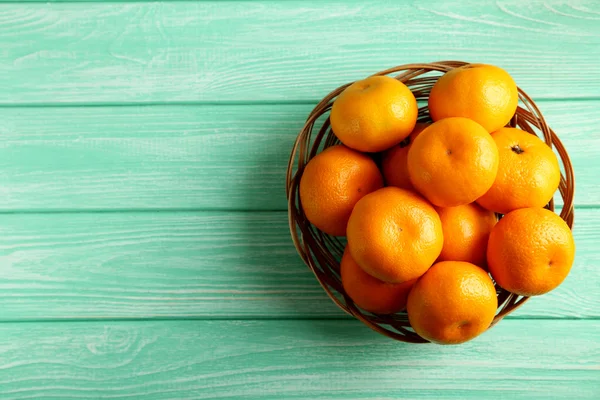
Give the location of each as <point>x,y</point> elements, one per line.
<point>422,228</point>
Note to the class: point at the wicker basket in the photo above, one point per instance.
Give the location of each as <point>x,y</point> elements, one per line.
<point>322,253</point>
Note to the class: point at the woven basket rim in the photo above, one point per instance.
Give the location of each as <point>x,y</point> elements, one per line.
<point>322,253</point>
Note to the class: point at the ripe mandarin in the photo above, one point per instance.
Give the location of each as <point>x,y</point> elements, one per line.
<point>394,234</point>
<point>466,232</point>
<point>395,165</point>
<point>484,93</point>
<point>452,303</point>
<point>452,162</point>
<point>370,293</point>
<point>332,183</point>
<point>528,172</point>
<point>374,114</point>
<point>530,251</point>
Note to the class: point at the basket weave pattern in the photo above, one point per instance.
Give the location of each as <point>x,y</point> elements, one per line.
<point>322,253</point>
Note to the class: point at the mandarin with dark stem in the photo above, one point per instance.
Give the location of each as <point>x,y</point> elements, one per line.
<point>528,172</point>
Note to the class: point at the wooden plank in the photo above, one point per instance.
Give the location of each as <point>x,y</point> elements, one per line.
<point>293,360</point>
<point>98,53</point>
<point>230,157</point>
<point>190,157</point>
<point>136,265</point>
<point>201,265</point>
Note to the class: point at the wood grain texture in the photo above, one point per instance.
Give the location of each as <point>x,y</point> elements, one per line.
<point>201,265</point>
<point>137,212</point>
<point>98,53</point>
<point>293,360</point>
<point>193,157</point>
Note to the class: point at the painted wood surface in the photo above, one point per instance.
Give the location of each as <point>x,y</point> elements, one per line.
<point>293,359</point>
<point>144,247</point>
<point>193,157</point>
<point>211,51</point>
<point>202,265</point>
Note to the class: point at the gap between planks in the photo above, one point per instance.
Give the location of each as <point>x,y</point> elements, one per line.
<point>344,317</point>
<point>191,210</point>
<point>225,103</point>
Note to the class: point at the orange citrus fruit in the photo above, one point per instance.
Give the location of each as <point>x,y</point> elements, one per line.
<point>454,161</point>
<point>370,293</point>
<point>394,234</point>
<point>374,114</point>
<point>453,302</point>
<point>484,93</point>
<point>466,231</point>
<point>530,251</point>
<point>528,173</point>
<point>332,183</point>
<point>394,164</point>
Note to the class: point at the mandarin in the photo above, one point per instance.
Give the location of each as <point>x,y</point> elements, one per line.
<point>369,293</point>
<point>484,93</point>
<point>452,162</point>
<point>466,232</point>
<point>374,114</point>
<point>528,172</point>
<point>332,183</point>
<point>395,164</point>
<point>530,251</point>
<point>452,303</point>
<point>394,234</point>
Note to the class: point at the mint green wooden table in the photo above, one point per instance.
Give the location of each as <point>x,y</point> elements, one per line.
<point>144,248</point>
